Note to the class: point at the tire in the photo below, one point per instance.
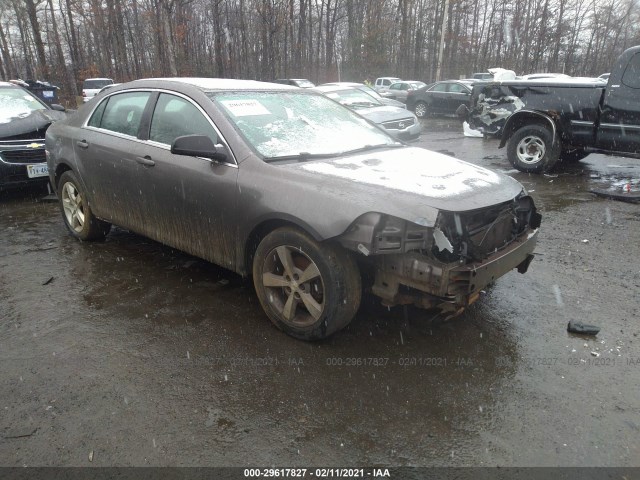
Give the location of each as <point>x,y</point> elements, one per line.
<point>421,110</point>
<point>76,212</point>
<point>573,156</point>
<point>325,302</point>
<point>532,149</point>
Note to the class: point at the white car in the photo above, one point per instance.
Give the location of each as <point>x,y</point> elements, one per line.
<point>383,83</point>
<point>91,86</point>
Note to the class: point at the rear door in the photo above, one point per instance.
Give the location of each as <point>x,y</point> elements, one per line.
<point>109,158</point>
<point>458,95</point>
<point>438,98</point>
<point>620,118</point>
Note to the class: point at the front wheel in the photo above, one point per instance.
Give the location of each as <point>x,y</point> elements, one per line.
<point>307,289</point>
<point>533,149</point>
<point>421,109</point>
<point>76,212</point>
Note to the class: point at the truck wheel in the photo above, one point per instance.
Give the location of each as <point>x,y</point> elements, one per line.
<point>573,156</point>
<point>532,149</point>
<point>421,109</point>
<point>307,289</point>
<point>76,212</point>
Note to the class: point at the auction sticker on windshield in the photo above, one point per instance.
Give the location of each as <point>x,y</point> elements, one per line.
<point>245,108</point>
<point>39,170</point>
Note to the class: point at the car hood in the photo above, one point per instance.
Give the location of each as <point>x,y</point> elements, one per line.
<point>391,102</point>
<point>408,182</point>
<point>385,113</point>
<point>38,120</point>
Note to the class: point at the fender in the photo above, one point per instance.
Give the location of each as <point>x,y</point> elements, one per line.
<point>520,119</point>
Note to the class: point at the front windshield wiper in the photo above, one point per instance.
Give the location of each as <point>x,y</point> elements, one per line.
<point>304,156</point>
<point>368,148</point>
<point>300,157</point>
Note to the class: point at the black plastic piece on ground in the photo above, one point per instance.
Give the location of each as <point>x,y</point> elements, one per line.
<point>577,327</point>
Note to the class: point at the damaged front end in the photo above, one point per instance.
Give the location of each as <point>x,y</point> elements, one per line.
<point>22,149</point>
<point>444,265</point>
<point>492,105</point>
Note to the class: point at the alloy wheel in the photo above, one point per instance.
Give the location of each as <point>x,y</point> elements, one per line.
<point>294,285</point>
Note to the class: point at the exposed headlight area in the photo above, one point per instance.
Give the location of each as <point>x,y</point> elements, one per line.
<point>446,263</point>
<point>378,234</point>
<point>477,234</point>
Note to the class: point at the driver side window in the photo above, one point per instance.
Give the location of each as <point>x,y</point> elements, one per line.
<point>174,117</point>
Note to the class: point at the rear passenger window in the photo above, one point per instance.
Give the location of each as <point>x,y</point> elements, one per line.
<point>174,117</point>
<point>122,113</point>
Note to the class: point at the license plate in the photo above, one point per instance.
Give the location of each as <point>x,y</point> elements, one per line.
<point>39,170</point>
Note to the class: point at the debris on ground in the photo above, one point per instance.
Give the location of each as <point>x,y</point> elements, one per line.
<point>582,328</point>
<point>20,432</point>
<point>48,281</point>
<point>470,132</point>
<point>621,196</point>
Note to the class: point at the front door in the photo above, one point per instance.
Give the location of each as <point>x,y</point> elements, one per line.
<point>192,200</point>
<point>619,128</point>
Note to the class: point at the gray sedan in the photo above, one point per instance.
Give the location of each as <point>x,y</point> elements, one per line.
<point>290,188</point>
<point>397,121</point>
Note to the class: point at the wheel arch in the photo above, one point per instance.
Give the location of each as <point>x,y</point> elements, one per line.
<point>60,169</point>
<point>522,118</point>
<point>266,226</point>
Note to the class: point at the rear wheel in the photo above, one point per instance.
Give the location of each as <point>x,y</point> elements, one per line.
<point>533,149</point>
<point>76,212</point>
<point>308,289</point>
<point>421,109</point>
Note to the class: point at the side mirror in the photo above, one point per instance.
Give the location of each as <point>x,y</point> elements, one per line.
<point>197,146</point>
<point>59,108</point>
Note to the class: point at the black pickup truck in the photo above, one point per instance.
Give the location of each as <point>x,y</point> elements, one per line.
<point>545,121</point>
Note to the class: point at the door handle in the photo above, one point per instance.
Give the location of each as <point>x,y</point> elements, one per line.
<point>82,144</point>
<point>146,161</point>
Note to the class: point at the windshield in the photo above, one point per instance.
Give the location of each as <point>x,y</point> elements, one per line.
<point>354,98</point>
<point>370,91</point>
<point>280,124</point>
<point>17,103</point>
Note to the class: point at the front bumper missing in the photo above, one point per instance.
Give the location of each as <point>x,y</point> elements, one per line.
<point>413,278</point>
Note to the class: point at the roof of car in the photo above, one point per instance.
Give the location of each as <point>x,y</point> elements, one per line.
<point>334,88</point>
<point>220,83</point>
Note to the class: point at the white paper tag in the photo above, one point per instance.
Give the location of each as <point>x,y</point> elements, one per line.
<point>245,108</point>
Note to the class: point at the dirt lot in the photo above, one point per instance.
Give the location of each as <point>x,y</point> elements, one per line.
<point>131,353</point>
